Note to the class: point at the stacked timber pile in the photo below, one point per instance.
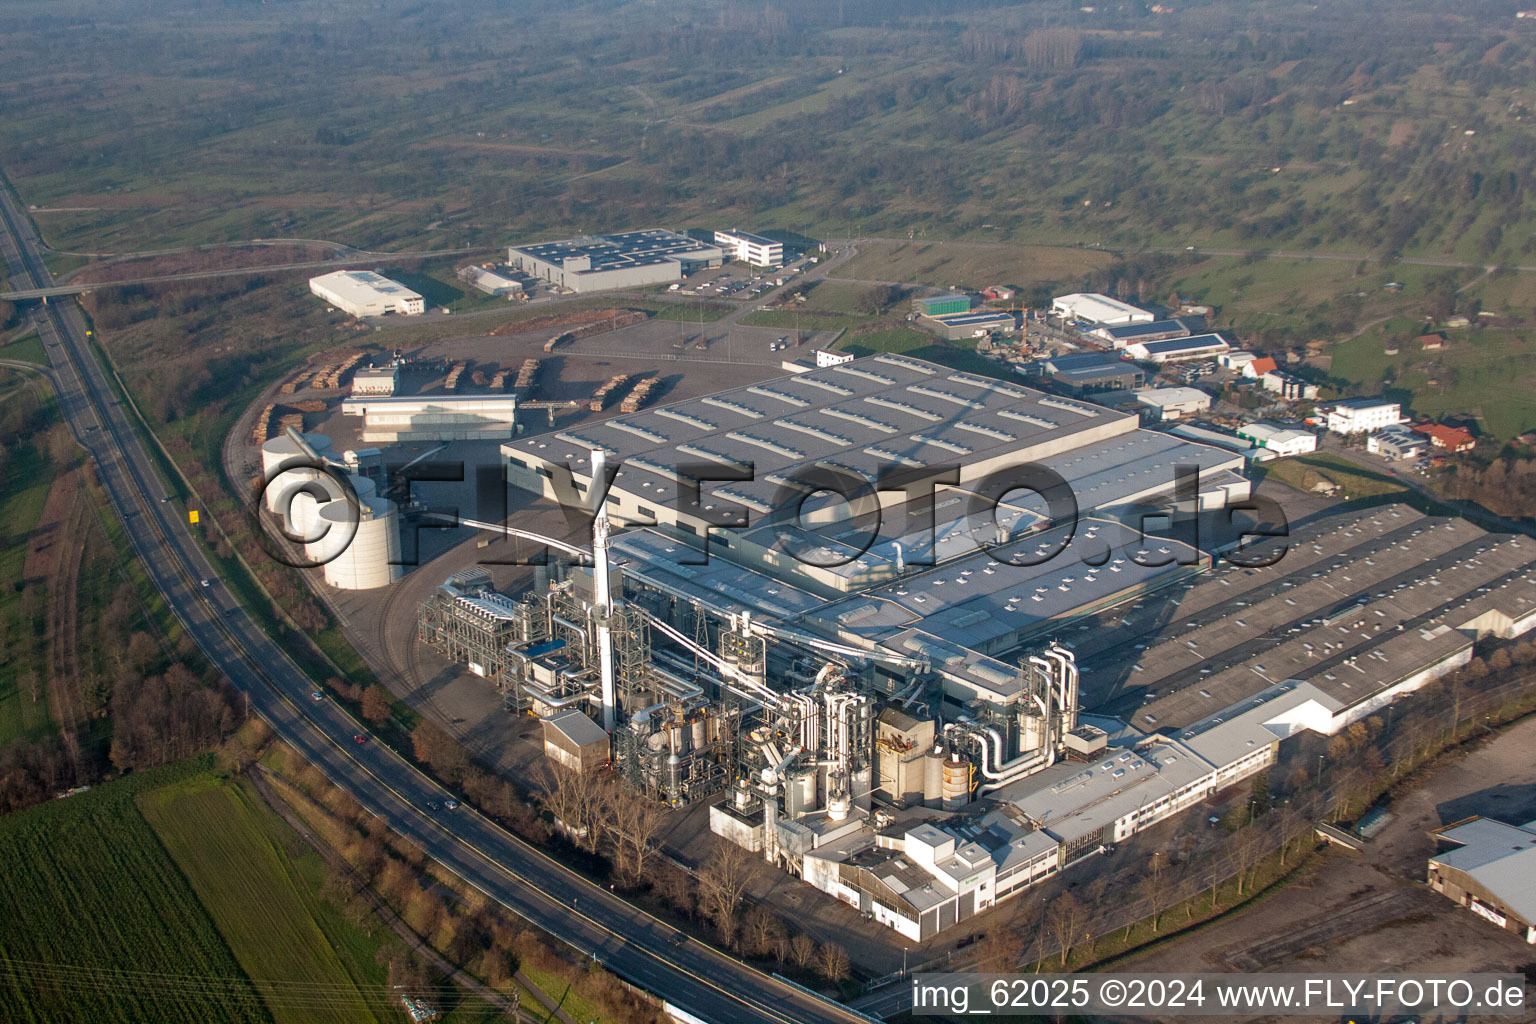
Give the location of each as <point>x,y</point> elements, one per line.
<point>452,383</point>
<point>261,431</point>
<point>640,395</point>
<point>291,419</point>
<point>527,376</point>
<point>499,380</point>
<point>603,395</point>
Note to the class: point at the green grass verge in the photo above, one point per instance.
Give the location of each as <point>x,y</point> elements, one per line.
<point>1354,482</point>
<point>23,492</point>
<point>90,891</point>
<point>266,914</point>
<point>803,319</point>
<point>28,349</point>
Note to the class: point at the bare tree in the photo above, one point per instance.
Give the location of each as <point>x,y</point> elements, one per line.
<point>802,949</point>
<point>1155,886</point>
<point>1065,922</point>
<point>763,934</point>
<point>832,961</point>
<point>1246,848</point>
<point>1001,949</point>
<point>723,877</point>
<point>633,822</point>
<point>573,798</point>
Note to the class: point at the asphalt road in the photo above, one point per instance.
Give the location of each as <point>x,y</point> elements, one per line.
<point>628,942</point>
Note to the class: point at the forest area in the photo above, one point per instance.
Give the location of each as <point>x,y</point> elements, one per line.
<point>1255,125</point>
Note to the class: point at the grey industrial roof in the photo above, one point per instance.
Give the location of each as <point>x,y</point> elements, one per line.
<point>577,728</point>
<point>1502,858</point>
<point>874,411</point>
<point>1197,341</point>
<point>1072,800</point>
<point>980,316</point>
<point>726,588</point>
<point>1418,583</point>
<point>627,249</point>
<point>976,599</point>
<point>1123,332</point>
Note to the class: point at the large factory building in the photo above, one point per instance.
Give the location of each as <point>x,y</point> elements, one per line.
<point>364,293</point>
<point>633,259</point>
<point>895,712</point>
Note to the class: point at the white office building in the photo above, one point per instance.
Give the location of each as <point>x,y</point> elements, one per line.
<point>1362,415</point>
<point>749,248</point>
<point>1098,309</point>
<point>364,293</point>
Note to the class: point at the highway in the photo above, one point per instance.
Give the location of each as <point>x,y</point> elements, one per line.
<point>628,942</point>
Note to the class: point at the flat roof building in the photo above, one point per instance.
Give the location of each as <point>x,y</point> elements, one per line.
<point>1121,335</point>
<point>956,326</point>
<point>1173,403</point>
<point>363,293</point>
<point>1093,308</point>
<point>1085,373</point>
<point>1360,415</point>
<point>1283,441</point>
<point>1198,346</point>
<point>1396,442</point>
<point>392,419</point>
<point>751,249</point>
<point>376,380</point>
<point>939,305</point>
<point>632,259</point>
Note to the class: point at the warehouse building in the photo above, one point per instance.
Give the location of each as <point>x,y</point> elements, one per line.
<point>1491,870</point>
<point>633,259</point>
<point>1087,373</point>
<point>1282,441</point>
<point>939,305</point>
<point>1165,404</point>
<point>859,416</point>
<point>1362,415</point>
<point>363,293</point>
<point>1093,308</point>
<point>1174,350</point>
<point>393,419</point>
<point>492,281</point>
<point>1121,335</point>
<point>751,249</point>
<point>958,326</point>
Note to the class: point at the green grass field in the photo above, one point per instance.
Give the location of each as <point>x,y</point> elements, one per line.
<point>1487,373</point>
<point>1354,482</point>
<point>971,265</point>
<point>264,911</point>
<point>28,348</point>
<point>23,491</point>
<point>100,923</point>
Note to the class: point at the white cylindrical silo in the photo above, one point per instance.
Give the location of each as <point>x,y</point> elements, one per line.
<point>281,449</point>
<point>372,557</point>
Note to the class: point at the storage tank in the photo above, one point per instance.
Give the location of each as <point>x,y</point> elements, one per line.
<point>282,449</point>
<point>800,793</point>
<point>957,783</point>
<point>933,776</point>
<point>1032,732</point>
<point>698,728</point>
<point>838,806</point>
<point>372,558</point>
